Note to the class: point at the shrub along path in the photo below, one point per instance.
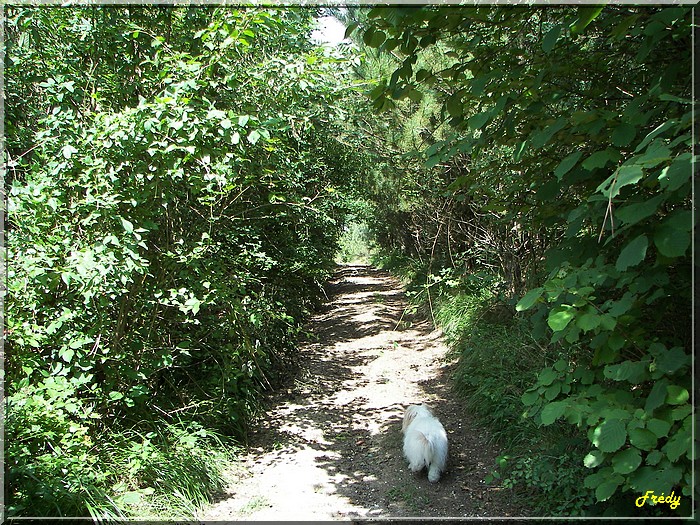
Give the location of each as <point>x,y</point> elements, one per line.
<point>330,446</point>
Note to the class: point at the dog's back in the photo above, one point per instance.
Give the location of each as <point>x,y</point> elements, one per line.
<point>425,445</point>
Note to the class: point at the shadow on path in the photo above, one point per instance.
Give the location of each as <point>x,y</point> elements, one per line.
<point>330,447</point>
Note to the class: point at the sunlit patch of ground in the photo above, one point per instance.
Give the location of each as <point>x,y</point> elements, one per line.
<point>330,447</point>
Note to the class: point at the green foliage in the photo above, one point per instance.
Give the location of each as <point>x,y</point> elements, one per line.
<point>569,153</point>
<point>172,217</point>
<point>74,471</point>
<point>355,244</point>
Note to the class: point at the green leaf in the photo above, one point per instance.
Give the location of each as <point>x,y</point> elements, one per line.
<point>633,213</point>
<point>585,16</point>
<point>127,225</point>
<point>560,317</point>
<point>674,176</point>
<point>677,445</point>
<point>415,95</point>
<point>607,488</point>
<point>659,480</point>
<point>552,391</point>
<point>676,395</point>
<point>668,361</point>
<point>588,321</point>
<point>350,29</point>
<point>530,397</point>
<point>550,39</point>
<point>626,461</point>
<point>540,138</point>
<point>130,498</point>
<point>520,150</point>
<point>594,458</point>
<point>599,159</point>
<point>654,457</point>
<point>551,412</point>
<point>529,299</point>
<point>623,134</point>
<point>593,480</point>
<point>378,38</point>
<point>565,165</point>
<point>632,371</point>
<point>642,438</point>
<point>670,241</point>
<point>546,376</point>
<point>477,121</point>
<point>454,105</point>
<point>655,132</point>
<point>633,253</point>
<point>623,176</point>
<point>656,397</point>
<point>115,396</point>
<point>659,427</point>
<point>610,435</point>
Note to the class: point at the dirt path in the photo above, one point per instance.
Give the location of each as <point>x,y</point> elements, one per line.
<point>330,447</point>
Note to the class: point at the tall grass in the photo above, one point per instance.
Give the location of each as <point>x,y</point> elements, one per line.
<point>72,468</point>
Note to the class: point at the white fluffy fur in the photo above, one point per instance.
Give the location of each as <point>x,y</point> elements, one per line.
<point>424,441</point>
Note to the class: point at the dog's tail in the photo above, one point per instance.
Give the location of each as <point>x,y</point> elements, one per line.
<point>436,449</point>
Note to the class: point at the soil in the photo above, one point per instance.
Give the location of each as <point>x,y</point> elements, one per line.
<point>330,446</point>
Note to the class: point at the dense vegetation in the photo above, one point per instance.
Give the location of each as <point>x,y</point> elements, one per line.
<point>179,181</point>
<point>552,176</point>
<point>174,210</point>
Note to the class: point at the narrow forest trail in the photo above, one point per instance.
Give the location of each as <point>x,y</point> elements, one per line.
<point>330,447</point>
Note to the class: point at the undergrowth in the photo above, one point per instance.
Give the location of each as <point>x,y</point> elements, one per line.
<point>156,470</point>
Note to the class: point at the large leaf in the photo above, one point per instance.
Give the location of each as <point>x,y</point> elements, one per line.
<point>623,134</point>
<point>633,213</point>
<point>588,321</point>
<point>540,138</point>
<point>551,412</point>
<point>477,121</point>
<point>659,427</point>
<point>677,445</point>
<point>565,165</point>
<point>658,480</point>
<point>657,396</point>
<point>642,438</point>
<point>633,253</point>
<point>624,176</point>
<point>670,241</point>
<point>529,299</point>
<point>550,39</point>
<point>607,488</point>
<point>674,176</point>
<point>594,458</point>
<point>626,461</point>
<point>585,16</point>
<point>676,395</point>
<point>560,317</point>
<point>668,361</point>
<point>610,435</point>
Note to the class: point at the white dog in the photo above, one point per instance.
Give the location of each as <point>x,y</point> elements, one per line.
<point>424,441</point>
